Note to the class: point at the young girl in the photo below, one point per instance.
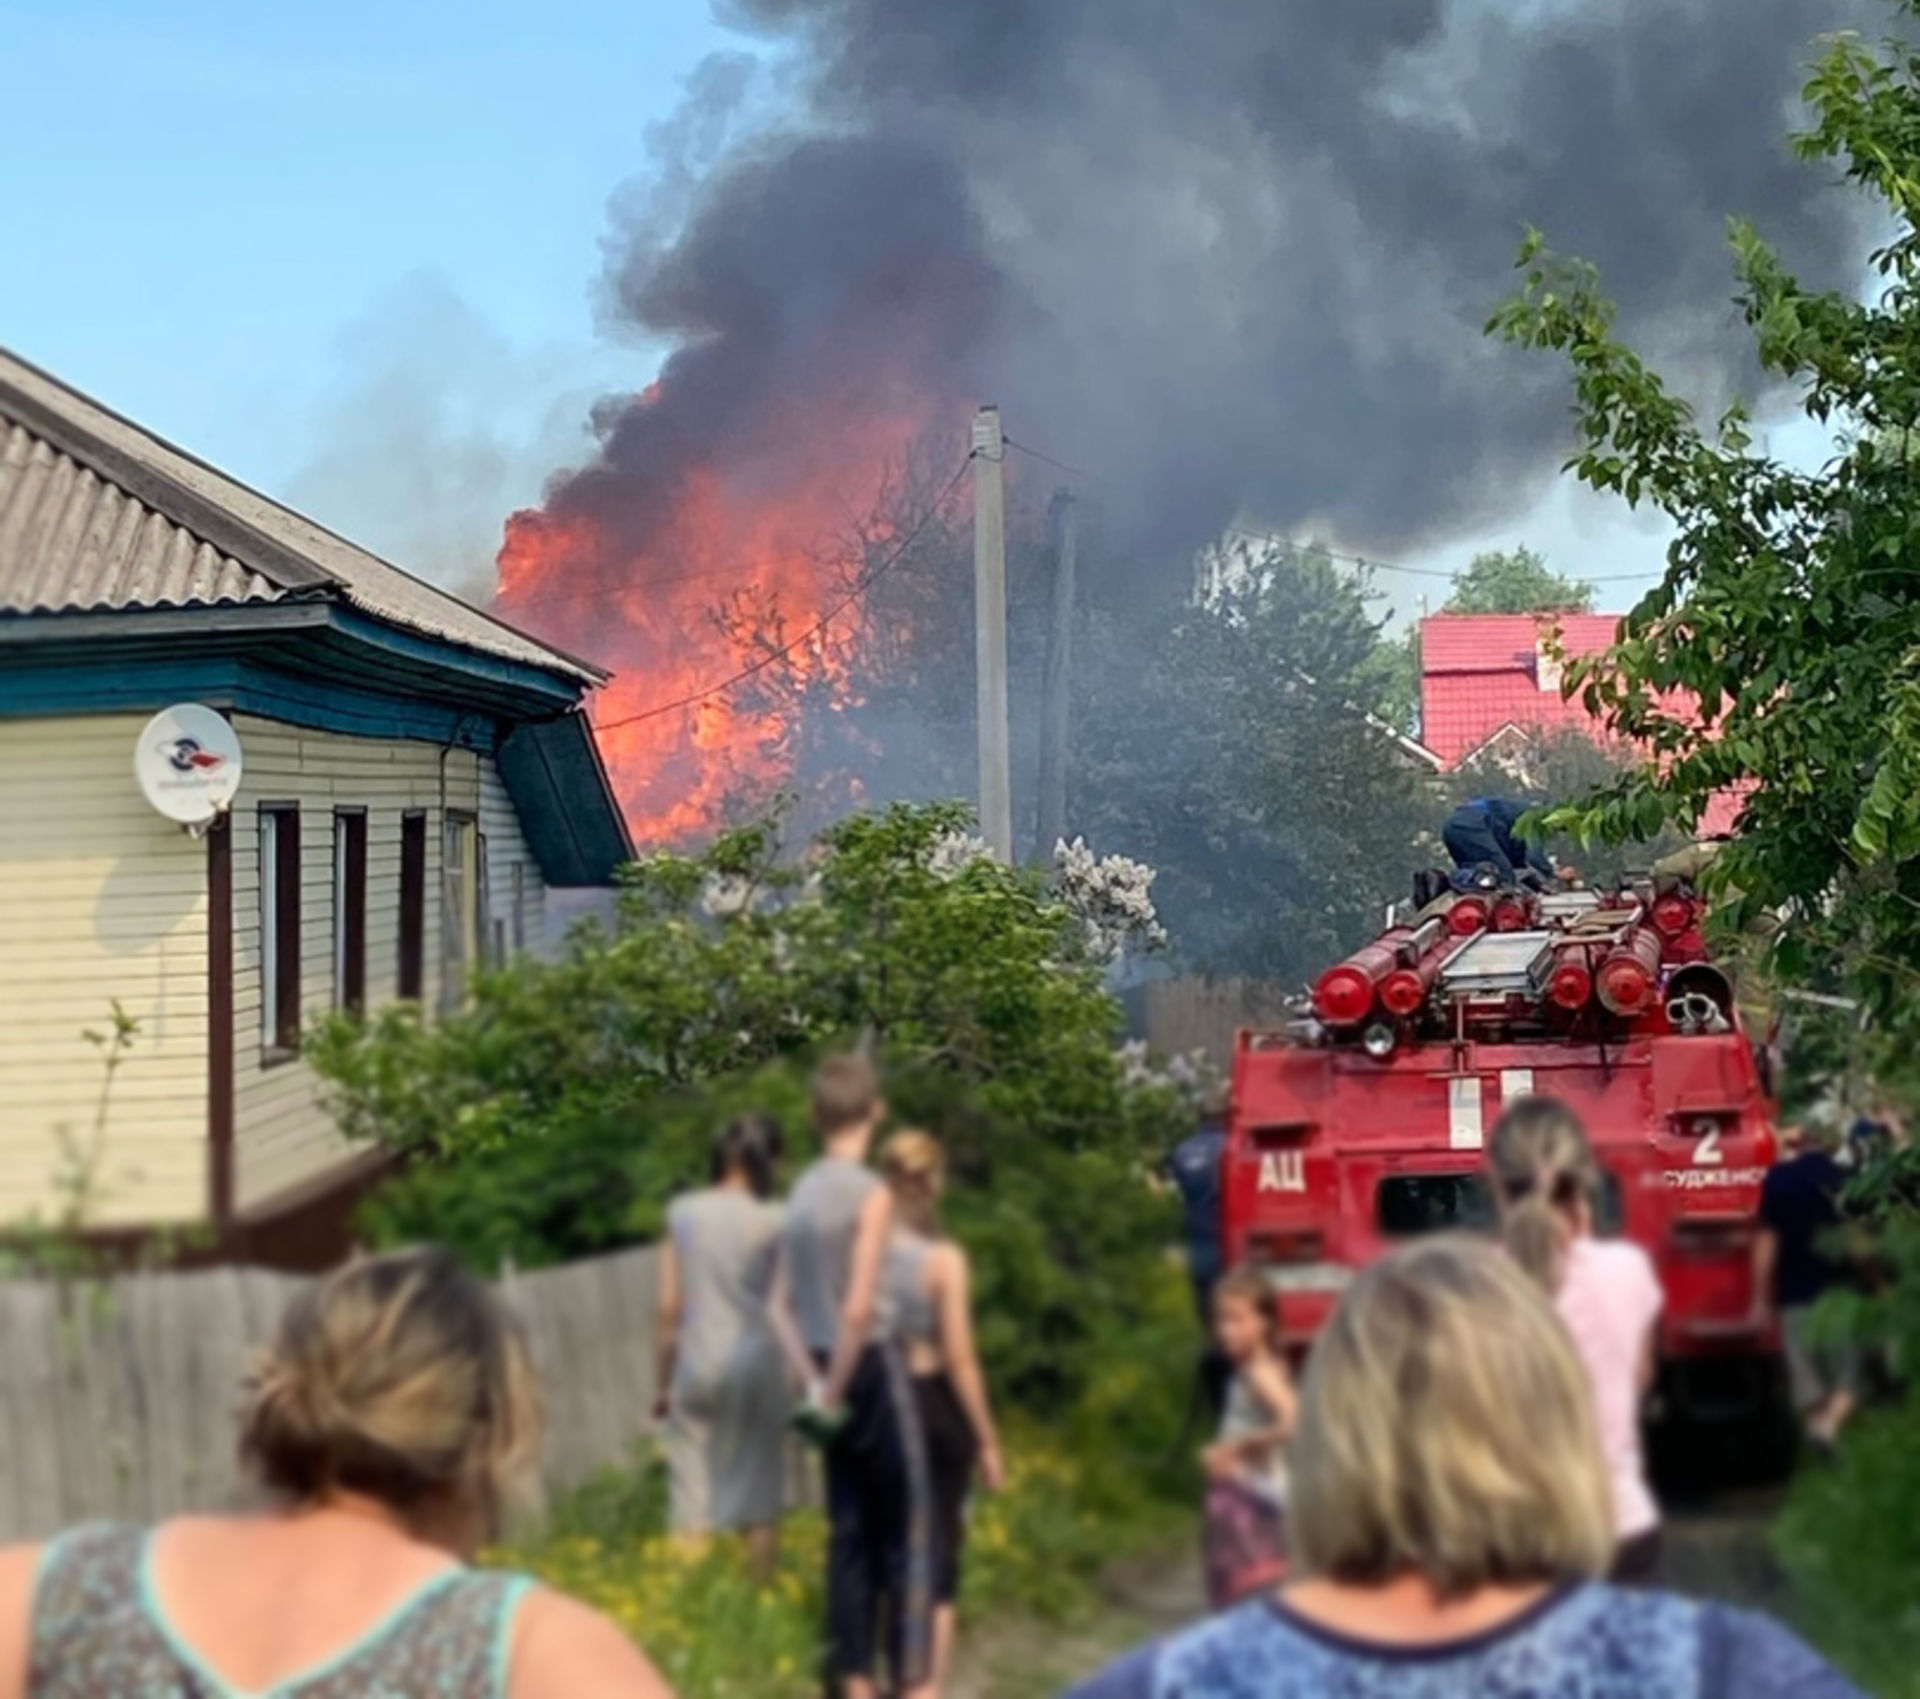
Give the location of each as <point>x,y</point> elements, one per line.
<point>926,1284</point>
<point>1547,1184</point>
<point>1246,1466</point>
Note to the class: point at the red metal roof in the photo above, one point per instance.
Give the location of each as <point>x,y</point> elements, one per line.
<point>1480,673</point>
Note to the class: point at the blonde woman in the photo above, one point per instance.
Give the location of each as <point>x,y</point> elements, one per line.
<point>393,1417</point>
<point>926,1281</point>
<point>1450,1521</point>
<point>1547,1185</point>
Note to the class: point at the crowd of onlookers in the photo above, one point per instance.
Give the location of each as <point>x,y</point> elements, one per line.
<point>1451,1501</point>
<point>850,1296</point>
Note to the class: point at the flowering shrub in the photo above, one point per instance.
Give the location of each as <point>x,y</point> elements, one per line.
<point>716,1633</point>
<point>1113,898</point>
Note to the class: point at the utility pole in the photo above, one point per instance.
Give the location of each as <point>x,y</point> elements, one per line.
<point>990,630</point>
<point>1056,712</point>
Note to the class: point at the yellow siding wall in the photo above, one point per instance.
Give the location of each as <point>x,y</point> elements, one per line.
<point>99,899</point>
<point>285,1138</point>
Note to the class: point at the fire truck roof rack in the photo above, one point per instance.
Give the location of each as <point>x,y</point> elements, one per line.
<point>1500,964</point>
<point>1567,905</point>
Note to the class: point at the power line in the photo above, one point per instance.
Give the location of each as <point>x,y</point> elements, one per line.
<point>1048,459</point>
<point>1313,548</point>
<point>860,588</point>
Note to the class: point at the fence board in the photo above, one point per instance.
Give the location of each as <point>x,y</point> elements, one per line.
<point>119,1399</point>
<point>1183,1015</point>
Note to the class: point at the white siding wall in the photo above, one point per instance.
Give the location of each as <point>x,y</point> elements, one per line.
<point>100,899</point>
<point>284,1135</point>
<point>508,857</point>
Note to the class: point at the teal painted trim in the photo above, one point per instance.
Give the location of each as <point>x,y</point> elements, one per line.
<point>246,687</point>
<point>512,1596</point>
<point>357,1647</point>
<point>435,652</point>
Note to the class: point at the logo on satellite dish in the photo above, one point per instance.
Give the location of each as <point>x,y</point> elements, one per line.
<point>188,765</point>
<point>184,755</point>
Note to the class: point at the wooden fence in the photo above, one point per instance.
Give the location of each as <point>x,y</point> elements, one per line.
<point>1181,1015</point>
<point>118,1399</point>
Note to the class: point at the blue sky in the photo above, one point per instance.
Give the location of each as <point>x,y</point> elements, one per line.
<point>348,252</point>
<point>236,209</point>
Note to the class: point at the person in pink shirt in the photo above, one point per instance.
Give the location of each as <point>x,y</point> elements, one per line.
<point>1547,1182</point>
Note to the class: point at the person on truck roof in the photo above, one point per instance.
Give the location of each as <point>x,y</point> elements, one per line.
<point>1483,833</point>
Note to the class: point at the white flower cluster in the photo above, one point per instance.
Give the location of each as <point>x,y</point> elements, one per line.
<point>1112,896</point>
<point>1189,1075</point>
<point>955,853</point>
<point>726,895</point>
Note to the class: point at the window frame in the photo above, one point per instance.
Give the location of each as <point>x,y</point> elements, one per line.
<point>411,966</point>
<point>461,937</point>
<point>278,839</point>
<point>350,910</point>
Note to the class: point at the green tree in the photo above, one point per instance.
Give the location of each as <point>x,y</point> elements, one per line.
<point>1240,746</point>
<point>1516,581</point>
<point>1782,653</point>
<point>558,1114</point>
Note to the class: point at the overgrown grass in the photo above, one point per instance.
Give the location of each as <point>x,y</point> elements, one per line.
<point>1107,1481</point>
<point>1850,1540</point>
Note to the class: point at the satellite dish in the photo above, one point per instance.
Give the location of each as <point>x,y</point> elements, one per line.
<point>187,763</point>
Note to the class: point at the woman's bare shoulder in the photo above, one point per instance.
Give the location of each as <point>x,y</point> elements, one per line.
<point>563,1649</point>
<point>19,1570</point>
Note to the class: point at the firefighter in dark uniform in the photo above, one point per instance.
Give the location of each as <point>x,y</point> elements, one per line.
<point>1196,1166</point>
<point>1482,834</point>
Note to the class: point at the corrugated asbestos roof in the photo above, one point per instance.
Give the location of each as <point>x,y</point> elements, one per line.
<point>98,514</point>
<point>71,540</point>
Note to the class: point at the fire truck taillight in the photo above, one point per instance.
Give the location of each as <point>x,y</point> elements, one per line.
<point>1629,977</point>
<point>1286,1244</point>
<point>1713,1237</point>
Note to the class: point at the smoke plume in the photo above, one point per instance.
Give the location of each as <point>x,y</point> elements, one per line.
<point>1231,256</point>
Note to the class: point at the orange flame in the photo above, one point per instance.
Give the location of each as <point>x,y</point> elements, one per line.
<point>761,535</point>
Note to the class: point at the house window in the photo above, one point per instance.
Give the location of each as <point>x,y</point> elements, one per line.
<point>460,937</point>
<point>350,910</point>
<point>280,928</point>
<point>413,906</point>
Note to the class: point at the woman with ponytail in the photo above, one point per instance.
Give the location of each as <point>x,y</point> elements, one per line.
<point>926,1282</point>
<point>1547,1185</point>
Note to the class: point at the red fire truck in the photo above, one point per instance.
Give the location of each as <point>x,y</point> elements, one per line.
<point>1363,1122</point>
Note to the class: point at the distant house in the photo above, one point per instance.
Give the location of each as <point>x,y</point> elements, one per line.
<point>1489,686</point>
<point>416,777</point>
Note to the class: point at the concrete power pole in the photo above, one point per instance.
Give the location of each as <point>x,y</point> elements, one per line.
<point>990,630</point>
<point>1056,713</point>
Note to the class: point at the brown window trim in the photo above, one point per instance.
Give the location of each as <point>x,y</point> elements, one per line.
<point>350,923</point>
<point>283,1044</point>
<point>413,905</point>
<point>220,1035</point>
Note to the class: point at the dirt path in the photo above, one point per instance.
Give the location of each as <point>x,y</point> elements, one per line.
<point>1716,1549</point>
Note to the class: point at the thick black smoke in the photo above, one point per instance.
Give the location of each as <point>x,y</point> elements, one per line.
<point>1233,255</point>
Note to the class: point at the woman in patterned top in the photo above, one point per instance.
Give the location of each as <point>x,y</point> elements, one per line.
<point>1450,1517</point>
<point>394,1416</point>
